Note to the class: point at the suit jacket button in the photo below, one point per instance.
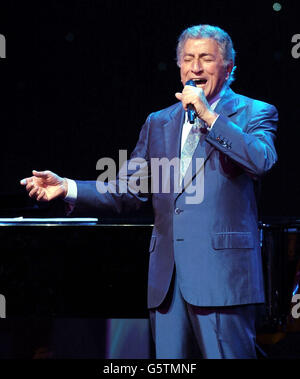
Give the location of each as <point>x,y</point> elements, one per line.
<point>178,211</point>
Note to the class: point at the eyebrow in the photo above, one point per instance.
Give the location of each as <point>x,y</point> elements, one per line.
<point>201,55</point>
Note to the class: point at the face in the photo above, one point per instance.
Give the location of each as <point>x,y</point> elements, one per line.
<point>203,62</point>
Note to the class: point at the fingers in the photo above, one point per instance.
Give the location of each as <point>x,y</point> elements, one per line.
<point>41,196</point>
<point>23,182</point>
<point>31,187</point>
<point>178,96</point>
<point>28,182</point>
<point>33,191</point>
<point>189,95</point>
<point>37,185</point>
<point>193,93</point>
<point>195,96</point>
<point>37,193</point>
<point>40,174</point>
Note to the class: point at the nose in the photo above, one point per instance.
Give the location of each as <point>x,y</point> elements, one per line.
<point>197,67</point>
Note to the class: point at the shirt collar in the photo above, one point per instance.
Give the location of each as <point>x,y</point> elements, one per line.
<point>218,96</point>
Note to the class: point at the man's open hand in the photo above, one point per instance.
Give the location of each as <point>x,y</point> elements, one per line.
<point>45,186</point>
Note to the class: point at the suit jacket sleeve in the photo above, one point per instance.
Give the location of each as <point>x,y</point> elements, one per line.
<point>128,191</point>
<point>249,141</point>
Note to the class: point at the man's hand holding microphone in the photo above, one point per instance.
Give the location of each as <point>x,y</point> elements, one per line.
<point>193,96</point>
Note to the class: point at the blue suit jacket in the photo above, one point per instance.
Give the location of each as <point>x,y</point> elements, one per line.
<point>214,244</point>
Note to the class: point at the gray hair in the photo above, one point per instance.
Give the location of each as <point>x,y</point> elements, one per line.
<point>208,31</point>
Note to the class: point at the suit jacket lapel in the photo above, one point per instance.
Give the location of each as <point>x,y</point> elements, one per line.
<point>172,132</point>
<point>228,104</point>
<point>172,139</point>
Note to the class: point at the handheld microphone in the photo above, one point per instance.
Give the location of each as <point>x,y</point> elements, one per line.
<point>191,110</point>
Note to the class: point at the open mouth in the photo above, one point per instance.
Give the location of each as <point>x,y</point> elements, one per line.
<point>200,82</point>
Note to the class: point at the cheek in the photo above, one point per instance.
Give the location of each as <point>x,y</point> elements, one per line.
<point>212,73</point>
<point>183,74</point>
<point>183,71</point>
<point>215,70</point>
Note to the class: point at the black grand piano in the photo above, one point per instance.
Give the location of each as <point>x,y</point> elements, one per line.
<point>67,269</point>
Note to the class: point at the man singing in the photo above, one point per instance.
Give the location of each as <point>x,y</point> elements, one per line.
<point>205,273</point>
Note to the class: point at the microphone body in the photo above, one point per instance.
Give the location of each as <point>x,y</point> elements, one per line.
<point>191,110</point>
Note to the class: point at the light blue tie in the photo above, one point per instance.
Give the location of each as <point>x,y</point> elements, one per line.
<point>189,146</point>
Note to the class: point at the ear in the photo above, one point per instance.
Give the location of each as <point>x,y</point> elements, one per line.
<point>229,69</point>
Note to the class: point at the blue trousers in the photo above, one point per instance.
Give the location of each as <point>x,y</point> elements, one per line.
<point>184,331</point>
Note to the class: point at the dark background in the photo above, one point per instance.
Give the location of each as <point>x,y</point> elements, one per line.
<point>78,82</point>
<point>81,77</point>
